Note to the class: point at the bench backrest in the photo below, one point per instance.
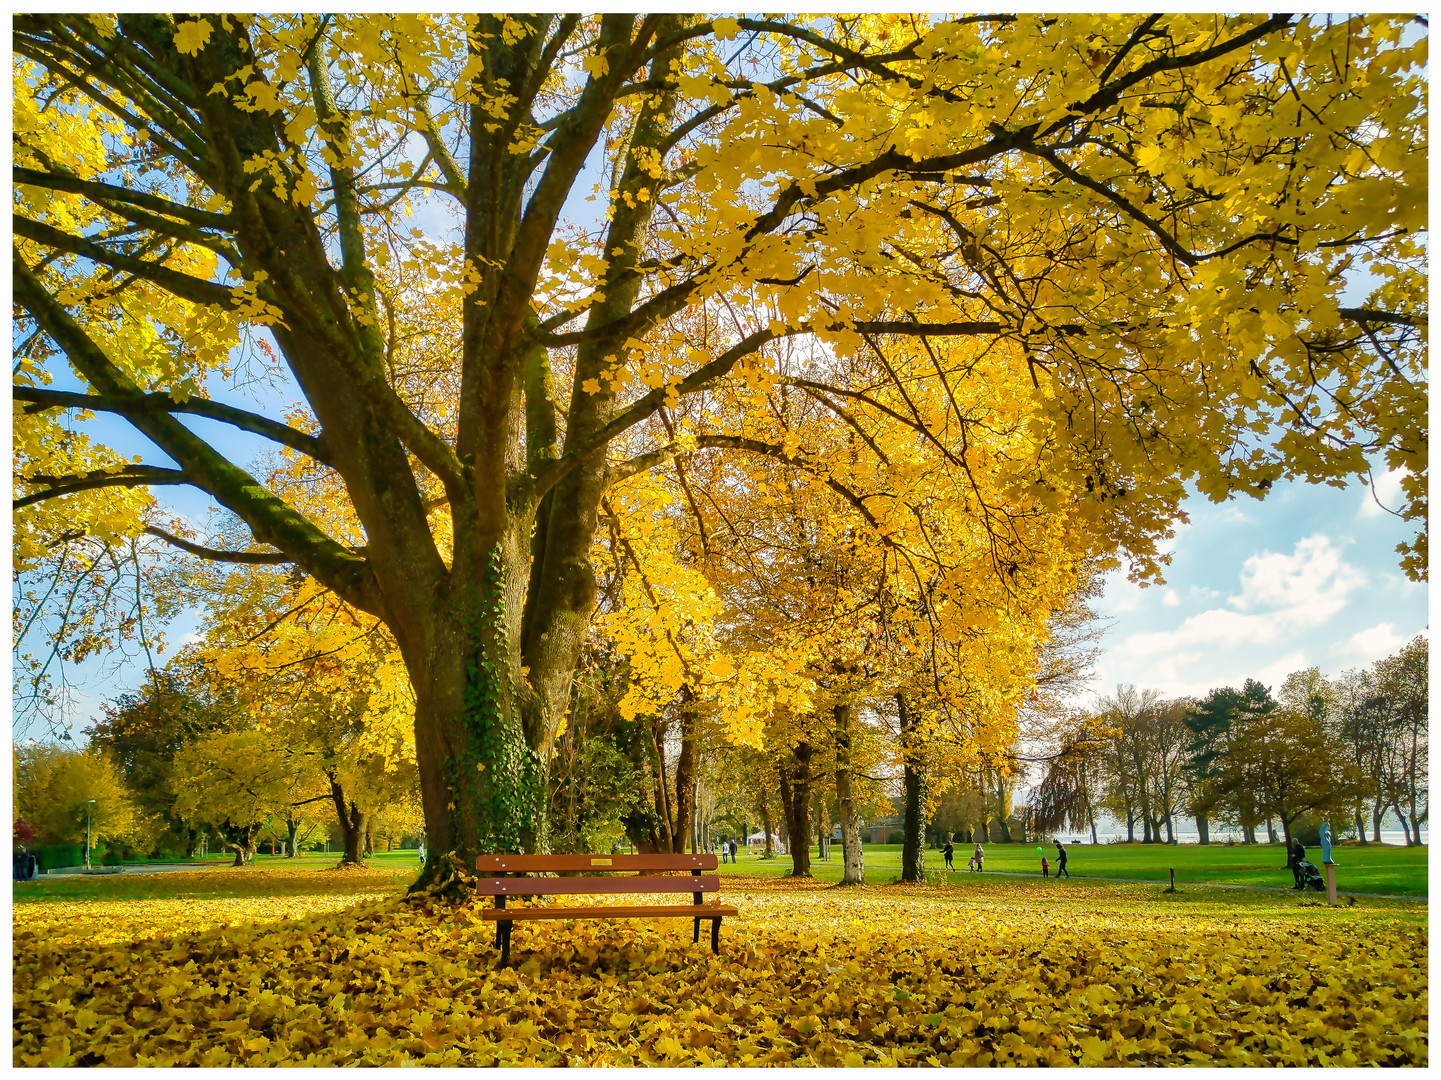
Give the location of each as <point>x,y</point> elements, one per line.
<point>492,867</point>
<point>533,864</point>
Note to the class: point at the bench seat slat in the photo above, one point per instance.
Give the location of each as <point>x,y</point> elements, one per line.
<point>642,911</point>
<point>500,864</point>
<point>584,885</point>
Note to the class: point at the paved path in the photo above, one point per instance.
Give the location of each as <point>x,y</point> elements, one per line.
<point>146,868</point>
<point>1209,885</point>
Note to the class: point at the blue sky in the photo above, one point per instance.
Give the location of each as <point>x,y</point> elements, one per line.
<point>1309,577</point>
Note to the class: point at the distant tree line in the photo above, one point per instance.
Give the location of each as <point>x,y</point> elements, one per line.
<point>1347,750</point>
<point>178,764</point>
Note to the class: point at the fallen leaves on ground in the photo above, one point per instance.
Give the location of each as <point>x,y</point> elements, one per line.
<point>1003,973</point>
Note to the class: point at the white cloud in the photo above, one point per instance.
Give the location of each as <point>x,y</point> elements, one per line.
<point>1386,490</point>
<point>1216,628</point>
<point>1309,585</point>
<point>1230,514</point>
<point>192,638</point>
<point>1281,595</point>
<point>1123,596</point>
<point>1370,644</point>
<point>1171,598</point>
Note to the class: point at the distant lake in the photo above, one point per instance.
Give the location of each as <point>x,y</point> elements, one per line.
<point>1184,836</point>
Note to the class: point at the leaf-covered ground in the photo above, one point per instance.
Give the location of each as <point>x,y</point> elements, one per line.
<point>1009,972</point>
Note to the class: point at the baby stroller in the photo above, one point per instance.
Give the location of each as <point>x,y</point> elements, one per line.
<point>1308,875</point>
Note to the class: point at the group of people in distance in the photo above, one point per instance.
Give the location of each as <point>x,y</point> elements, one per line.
<point>977,861</point>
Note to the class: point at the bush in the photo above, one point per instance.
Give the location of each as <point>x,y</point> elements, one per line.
<point>896,838</point>
<point>112,857</point>
<point>1307,829</point>
<point>54,856</point>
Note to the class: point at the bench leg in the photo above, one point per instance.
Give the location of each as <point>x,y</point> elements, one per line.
<point>714,934</point>
<point>695,936</point>
<point>504,930</point>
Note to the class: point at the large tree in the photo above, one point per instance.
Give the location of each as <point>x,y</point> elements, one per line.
<point>1151,219</point>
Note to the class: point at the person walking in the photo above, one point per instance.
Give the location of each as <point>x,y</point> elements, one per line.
<point>1061,862</point>
<point>949,852</point>
<point>733,851</point>
<point>979,858</point>
<point>1297,856</point>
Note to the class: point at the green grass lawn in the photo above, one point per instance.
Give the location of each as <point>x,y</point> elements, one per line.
<point>1375,868</point>
<point>214,878</point>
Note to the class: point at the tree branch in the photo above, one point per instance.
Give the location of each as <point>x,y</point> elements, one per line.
<point>133,476</point>
<point>309,445</point>
<point>194,289</point>
<point>252,558</point>
<point>271,519</point>
<point>101,193</point>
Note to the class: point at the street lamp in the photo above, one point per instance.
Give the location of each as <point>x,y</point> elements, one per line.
<point>88,804</point>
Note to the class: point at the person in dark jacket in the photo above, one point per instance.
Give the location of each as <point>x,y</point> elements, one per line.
<point>1061,862</point>
<point>1298,855</point>
<point>949,853</point>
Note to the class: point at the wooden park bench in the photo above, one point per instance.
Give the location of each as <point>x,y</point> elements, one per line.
<point>494,879</point>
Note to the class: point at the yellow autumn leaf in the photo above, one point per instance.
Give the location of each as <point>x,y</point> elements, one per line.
<point>192,36</point>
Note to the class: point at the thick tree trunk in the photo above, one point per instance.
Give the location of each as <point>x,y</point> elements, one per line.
<point>763,807</point>
<point>482,784</point>
<point>353,823</point>
<point>241,840</point>
<point>1405,826</point>
<point>1093,828</point>
<point>823,825</point>
<point>369,841</point>
<point>1270,831</point>
<point>355,836</point>
<point>1130,826</point>
<point>1203,829</point>
<point>1360,827</point>
<point>913,848</point>
<point>854,871</point>
<point>685,775</point>
<point>1003,815</point>
<point>193,844</point>
<point>796,782</point>
<point>913,783</point>
<point>1377,812</point>
<point>662,794</point>
<point>292,832</point>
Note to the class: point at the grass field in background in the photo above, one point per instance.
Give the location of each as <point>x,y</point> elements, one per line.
<point>1375,868</point>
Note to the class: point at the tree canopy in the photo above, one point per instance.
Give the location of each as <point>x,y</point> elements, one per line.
<point>998,287</point>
